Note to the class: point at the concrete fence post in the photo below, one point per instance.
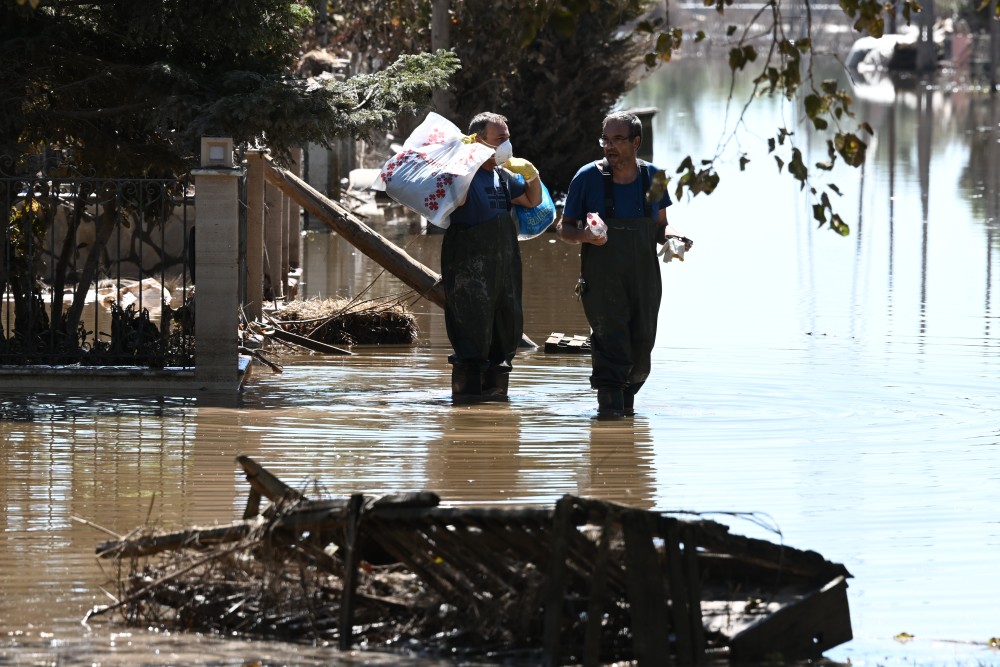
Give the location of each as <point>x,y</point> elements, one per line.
<point>216,258</point>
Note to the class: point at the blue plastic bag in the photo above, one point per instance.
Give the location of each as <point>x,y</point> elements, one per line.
<point>533,221</point>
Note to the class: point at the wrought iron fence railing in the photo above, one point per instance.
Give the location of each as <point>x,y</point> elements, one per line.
<point>96,272</point>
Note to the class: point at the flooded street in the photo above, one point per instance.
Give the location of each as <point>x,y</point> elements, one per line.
<point>835,394</point>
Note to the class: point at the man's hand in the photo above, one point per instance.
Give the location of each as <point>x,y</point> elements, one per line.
<point>593,236</point>
<point>469,139</point>
<point>521,166</point>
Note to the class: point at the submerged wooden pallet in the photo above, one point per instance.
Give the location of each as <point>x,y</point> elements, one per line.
<point>560,343</point>
<point>585,581</point>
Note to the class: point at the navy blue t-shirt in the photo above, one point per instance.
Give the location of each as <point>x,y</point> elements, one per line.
<point>586,195</point>
<point>485,200</point>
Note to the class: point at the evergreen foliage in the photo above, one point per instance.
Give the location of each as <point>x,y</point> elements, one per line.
<point>130,87</point>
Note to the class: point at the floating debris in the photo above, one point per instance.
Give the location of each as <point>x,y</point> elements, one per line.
<point>560,343</point>
<point>384,321</point>
<point>587,581</point>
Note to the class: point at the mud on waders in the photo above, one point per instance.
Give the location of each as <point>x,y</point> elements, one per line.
<point>621,298</point>
<point>481,272</point>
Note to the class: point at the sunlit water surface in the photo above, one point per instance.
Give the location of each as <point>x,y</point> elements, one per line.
<point>842,392</point>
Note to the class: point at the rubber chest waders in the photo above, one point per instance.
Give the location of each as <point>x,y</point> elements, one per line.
<point>621,296</point>
<point>481,273</point>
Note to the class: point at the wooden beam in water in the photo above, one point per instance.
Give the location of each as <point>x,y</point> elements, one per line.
<point>803,629</point>
<point>647,597</point>
<point>266,484</point>
<point>555,591</point>
<point>340,219</point>
<point>352,559</point>
<point>598,596</point>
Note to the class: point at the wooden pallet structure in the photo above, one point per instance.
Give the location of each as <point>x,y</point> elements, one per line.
<point>584,582</point>
<point>560,343</point>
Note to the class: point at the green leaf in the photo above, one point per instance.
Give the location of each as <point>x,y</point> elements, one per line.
<point>737,59</point>
<point>851,148</point>
<point>797,167</point>
<point>838,225</point>
<point>813,105</point>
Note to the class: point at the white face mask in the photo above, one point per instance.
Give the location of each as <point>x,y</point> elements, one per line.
<point>504,152</point>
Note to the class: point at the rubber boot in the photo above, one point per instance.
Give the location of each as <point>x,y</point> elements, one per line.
<point>610,404</point>
<point>495,383</point>
<point>466,385</point>
<point>628,403</point>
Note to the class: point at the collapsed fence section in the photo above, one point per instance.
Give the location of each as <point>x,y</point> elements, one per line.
<point>587,582</point>
<point>96,272</point>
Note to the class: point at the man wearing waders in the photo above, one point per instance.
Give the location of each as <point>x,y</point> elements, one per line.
<point>620,271</point>
<point>481,268</point>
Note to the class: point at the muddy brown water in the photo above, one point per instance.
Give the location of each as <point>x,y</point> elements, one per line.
<point>837,394</point>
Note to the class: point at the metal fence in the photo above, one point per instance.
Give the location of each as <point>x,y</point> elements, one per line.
<point>96,272</point>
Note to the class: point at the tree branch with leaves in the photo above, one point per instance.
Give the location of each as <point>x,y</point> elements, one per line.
<point>784,67</point>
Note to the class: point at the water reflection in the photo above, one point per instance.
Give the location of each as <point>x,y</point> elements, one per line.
<point>476,458</point>
<point>620,461</point>
<point>845,387</point>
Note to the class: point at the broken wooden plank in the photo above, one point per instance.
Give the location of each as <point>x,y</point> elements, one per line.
<point>682,616</point>
<point>646,593</point>
<point>264,483</point>
<point>302,341</point>
<point>352,559</point>
<point>555,590</point>
<point>337,217</point>
<point>803,629</point>
<point>147,545</point>
<point>598,597</point>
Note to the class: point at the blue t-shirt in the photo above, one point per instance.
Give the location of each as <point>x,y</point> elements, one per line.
<point>586,195</point>
<point>485,200</point>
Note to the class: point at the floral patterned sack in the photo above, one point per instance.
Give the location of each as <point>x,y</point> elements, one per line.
<point>431,175</point>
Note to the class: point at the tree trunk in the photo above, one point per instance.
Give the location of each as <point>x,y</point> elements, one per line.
<point>106,221</point>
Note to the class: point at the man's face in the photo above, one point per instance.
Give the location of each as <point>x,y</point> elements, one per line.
<point>619,147</point>
<point>493,135</point>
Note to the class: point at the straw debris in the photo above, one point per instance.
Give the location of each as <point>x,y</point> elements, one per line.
<point>275,585</point>
<point>384,321</point>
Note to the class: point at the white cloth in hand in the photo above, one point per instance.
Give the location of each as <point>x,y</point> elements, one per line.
<point>674,247</point>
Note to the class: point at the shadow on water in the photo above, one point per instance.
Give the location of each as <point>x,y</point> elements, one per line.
<point>847,388</point>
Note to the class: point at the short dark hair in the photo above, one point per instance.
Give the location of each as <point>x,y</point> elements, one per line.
<point>481,120</point>
<point>634,124</point>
